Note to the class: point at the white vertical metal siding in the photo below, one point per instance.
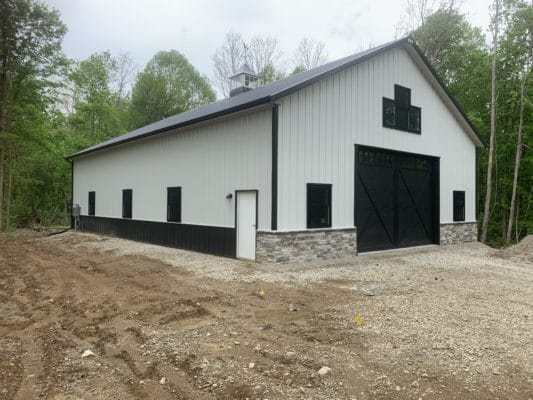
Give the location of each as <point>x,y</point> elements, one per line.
<point>320,124</point>
<point>208,162</point>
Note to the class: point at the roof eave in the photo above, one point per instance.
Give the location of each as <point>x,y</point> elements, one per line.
<point>240,107</point>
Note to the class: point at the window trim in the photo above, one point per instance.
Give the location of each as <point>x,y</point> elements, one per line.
<point>124,215</point>
<point>308,219</point>
<point>168,205</point>
<point>409,108</point>
<point>91,211</point>
<point>459,218</point>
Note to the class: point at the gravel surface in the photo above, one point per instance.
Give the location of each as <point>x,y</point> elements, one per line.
<point>450,322</point>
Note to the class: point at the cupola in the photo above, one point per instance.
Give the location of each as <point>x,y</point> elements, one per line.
<point>244,80</point>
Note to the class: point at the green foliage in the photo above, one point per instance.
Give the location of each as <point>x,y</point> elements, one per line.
<point>458,53</point>
<point>95,117</point>
<point>270,74</point>
<point>460,57</point>
<point>50,108</point>
<point>30,63</point>
<point>168,85</point>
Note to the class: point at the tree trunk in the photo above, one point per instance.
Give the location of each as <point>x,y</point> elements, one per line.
<point>9,186</point>
<point>488,195</point>
<point>65,205</point>
<point>517,157</point>
<point>1,188</point>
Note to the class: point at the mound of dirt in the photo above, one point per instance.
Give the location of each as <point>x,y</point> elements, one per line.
<point>522,250</point>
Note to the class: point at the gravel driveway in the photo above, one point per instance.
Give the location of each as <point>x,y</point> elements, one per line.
<point>450,322</point>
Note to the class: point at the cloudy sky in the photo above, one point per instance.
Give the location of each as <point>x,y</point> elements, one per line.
<point>197,27</point>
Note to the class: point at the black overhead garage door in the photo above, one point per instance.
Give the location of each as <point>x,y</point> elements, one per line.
<point>396,199</point>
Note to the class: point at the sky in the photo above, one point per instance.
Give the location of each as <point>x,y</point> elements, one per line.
<point>197,27</point>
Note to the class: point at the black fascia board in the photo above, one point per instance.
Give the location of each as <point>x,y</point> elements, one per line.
<point>240,107</point>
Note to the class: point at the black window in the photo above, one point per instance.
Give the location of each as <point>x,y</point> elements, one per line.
<point>91,203</point>
<point>318,205</point>
<point>174,204</point>
<point>399,113</point>
<point>458,205</point>
<point>389,112</point>
<point>126,203</point>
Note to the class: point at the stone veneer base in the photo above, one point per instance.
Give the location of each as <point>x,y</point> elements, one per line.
<point>458,232</point>
<point>306,245</point>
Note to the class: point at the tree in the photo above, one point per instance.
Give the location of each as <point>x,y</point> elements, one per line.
<point>227,60</point>
<point>122,76</point>
<point>416,12</point>
<point>495,32</point>
<point>30,56</point>
<point>168,85</point>
<point>261,53</point>
<point>95,117</point>
<point>458,53</point>
<point>309,54</point>
<point>519,38</point>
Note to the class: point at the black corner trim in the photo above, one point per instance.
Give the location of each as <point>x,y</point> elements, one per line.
<point>71,192</point>
<point>274,211</point>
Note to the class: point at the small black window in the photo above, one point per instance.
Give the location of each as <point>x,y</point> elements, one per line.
<point>318,205</point>
<point>174,204</point>
<point>91,203</point>
<point>399,113</point>
<point>126,203</point>
<point>414,119</point>
<point>389,112</point>
<point>458,205</point>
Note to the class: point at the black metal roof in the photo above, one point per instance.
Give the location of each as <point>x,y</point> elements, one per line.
<point>262,95</point>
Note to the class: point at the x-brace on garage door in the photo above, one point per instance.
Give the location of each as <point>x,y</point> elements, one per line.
<point>396,199</point>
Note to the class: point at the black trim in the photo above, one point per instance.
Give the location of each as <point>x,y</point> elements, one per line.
<point>476,184</point>
<point>71,192</point>
<point>282,93</point>
<point>258,102</point>
<point>274,210</point>
<point>204,239</point>
<point>174,215</point>
<point>436,191</point>
<point>127,203</point>
<point>91,204</point>
<point>256,213</point>
<point>311,186</point>
<point>459,206</point>
<point>402,111</point>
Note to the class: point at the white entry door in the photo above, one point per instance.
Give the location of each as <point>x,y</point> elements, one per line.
<point>246,224</point>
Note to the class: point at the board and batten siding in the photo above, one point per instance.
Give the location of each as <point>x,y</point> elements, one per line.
<point>208,162</point>
<point>320,124</point>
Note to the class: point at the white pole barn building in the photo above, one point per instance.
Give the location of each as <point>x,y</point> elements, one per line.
<point>366,153</point>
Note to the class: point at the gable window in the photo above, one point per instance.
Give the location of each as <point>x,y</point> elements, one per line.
<point>318,205</point>
<point>91,203</point>
<point>127,195</point>
<point>174,204</point>
<point>400,113</point>
<point>458,205</point>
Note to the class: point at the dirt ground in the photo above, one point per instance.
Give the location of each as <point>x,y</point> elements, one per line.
<point>452,322</point>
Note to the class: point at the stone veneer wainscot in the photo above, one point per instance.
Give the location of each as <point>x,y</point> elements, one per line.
<point>306,245</point>
<point>458,232</point>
